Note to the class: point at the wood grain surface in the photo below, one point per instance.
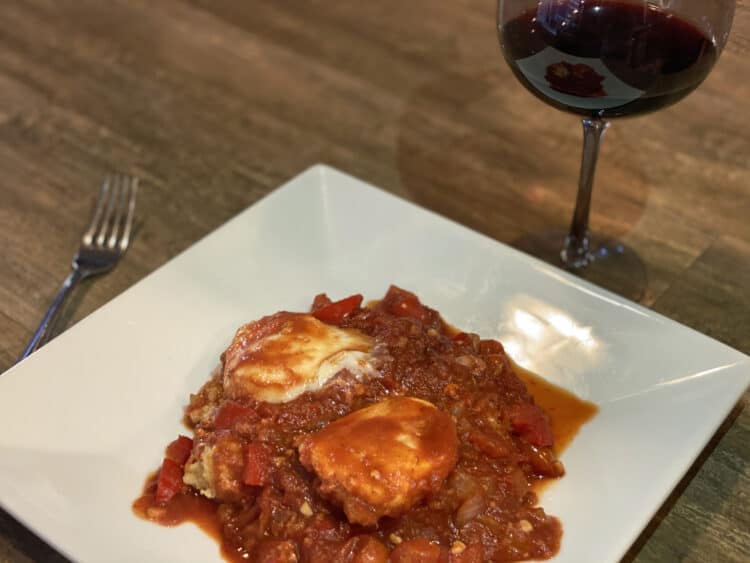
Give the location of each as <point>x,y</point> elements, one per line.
<point>215,102</point>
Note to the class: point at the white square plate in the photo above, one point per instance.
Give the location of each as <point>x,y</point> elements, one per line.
<point>87,417</point>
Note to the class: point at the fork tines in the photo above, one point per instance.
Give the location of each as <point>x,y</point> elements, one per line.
<point>112,220</point>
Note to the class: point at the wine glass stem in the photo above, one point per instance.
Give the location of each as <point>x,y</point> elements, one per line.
<point>576,253</point>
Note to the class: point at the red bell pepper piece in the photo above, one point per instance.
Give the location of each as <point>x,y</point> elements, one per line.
<point>169,482</point>
<point>335,312</point>
<point>230,412</point>
<point>179,450</point>
<point>257,464</point>
<point>530,422</point>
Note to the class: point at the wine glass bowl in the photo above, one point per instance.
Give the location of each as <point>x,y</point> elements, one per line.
<point>604,59</point>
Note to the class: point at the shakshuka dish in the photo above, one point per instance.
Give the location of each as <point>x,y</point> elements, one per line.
<point>366,434</point>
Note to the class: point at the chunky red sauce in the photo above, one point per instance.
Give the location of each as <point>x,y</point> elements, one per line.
<point>188,506</point>
<point>278,499</point>
<point>567,413</point>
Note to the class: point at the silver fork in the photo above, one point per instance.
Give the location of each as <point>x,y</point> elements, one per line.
<point>102,246</point>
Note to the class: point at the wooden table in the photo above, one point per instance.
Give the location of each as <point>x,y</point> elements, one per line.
<point>214,103</point>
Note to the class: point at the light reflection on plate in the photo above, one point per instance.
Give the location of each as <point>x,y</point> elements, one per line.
<point>546,340</point>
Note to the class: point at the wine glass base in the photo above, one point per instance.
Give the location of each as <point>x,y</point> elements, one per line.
<point>607,262</point>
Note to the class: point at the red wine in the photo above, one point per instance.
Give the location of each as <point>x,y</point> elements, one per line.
<point>606,58</point>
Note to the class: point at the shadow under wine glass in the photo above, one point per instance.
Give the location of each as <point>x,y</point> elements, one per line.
<point>603,59</point>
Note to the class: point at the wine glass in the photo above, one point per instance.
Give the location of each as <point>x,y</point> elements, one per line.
<point>609,58</point>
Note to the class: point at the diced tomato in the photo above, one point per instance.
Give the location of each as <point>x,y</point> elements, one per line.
<point>467,339</point>
<point>275,551</point>
<point>257,464</point>
<point>489,444</point>
<point>335,312</point>
<point>363,549</point>
<point>419,550</point>
<point>320,301</point>
<point>169,482</point>
<point>179,450</point>
<point>230,412</point>
<point>462,337</point>
<point>530,422</point>
<point>404,304</point>
<point>321,524</point>
<point>401,303</point>
<point>489,346</point>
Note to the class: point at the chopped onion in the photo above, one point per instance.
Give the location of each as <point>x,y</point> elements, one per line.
<point>469,510</point>
<point>465,485</point>
<point>466,361</point>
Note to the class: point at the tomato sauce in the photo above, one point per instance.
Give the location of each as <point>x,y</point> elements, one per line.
<point>567,412</point>
<point>510,424</point>
<point>184,507</point>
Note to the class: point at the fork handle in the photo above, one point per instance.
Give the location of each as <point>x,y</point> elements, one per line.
<point>42,333</point>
